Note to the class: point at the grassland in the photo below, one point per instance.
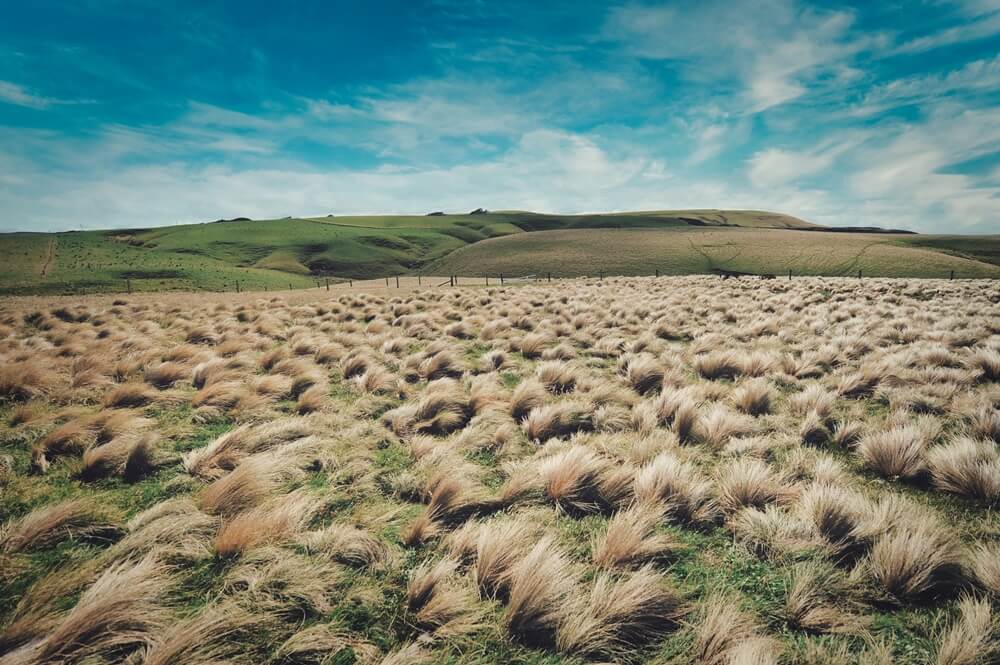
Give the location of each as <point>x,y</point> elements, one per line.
<point>290,253</point>
<point>693,250</point>
<point>634,470</point>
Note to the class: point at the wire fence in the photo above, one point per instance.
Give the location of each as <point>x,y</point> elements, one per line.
<point>410,282</point>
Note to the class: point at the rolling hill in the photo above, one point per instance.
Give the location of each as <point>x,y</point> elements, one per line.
<point>296,252</point>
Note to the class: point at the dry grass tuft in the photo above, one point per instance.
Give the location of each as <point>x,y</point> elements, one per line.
<point>718,365</point>
<point>321,642</point>
<point>129,396</point>
<point>685,494</point>
<point>45,526</point>
<point>896,453</point>
<point>917,559</point>
<point>557,377</point>
<point>968,467</point>
<point>348,545</point>
<point>540,585</point>
<point>498,546</point>
<point>527,396</point>
<point>645,375</point>
<point>753,397</point>
<point>573,479</point>
<point>985,562</point>
<point>20,382</point>
<point>837,515</point>
<point>213,636</point>
<point>311,400</point>
<point>719,425</point>
<point>119,612</point>
<point>631,539</point>
<point>617,616</point>
<point>751,483</point>
<point>274,521</point>
<point>557,420</point>
<point>166,374</point>
<point>987,361</point>
<point>727,636</point>
<point>811,602</point>
<point>973,638</point>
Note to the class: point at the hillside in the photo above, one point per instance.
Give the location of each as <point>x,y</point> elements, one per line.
<point>297,252</point>
<point>697,250</point>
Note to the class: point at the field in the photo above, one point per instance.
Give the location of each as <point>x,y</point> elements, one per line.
<point>693,250</point>
<point>633,470</point>
<point>296,253</point>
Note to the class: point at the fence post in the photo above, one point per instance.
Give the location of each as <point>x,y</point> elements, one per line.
<point>350,282</point>
<point>397,281</point>
<point>386,282</point>
<point>451,281</point>
<point>327,283</point>
<point>550,277</point>
<point>237,286</point>
<point>952,275</point>
<point>487,280</point>
<point>456,280</point>
<point>789,273</point>
<point>128,283</point>
<point>418,280</point>
<point>602,276</point>
<point>859,274</point>
<point>501,279</point>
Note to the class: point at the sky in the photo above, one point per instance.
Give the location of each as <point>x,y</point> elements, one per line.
<point>119,113</point>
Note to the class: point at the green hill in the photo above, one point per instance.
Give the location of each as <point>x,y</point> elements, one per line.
<point>693,250</point>
<point>296,252</point>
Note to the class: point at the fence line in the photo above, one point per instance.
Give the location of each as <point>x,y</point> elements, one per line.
<point>499,279</point>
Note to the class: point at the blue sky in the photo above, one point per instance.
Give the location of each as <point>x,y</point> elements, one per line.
<point>116,113</point>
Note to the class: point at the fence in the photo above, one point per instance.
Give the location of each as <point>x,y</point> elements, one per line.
<point>500,279</point>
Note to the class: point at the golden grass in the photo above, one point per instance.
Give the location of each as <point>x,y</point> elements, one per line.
<point>75,518</point>
<point>517,474</point>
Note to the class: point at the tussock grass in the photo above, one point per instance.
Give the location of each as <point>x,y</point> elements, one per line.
<point>751,483</point>
<point>540,584</point>
<point>631,538</point>
<point>897,453</point>
<point>122,610</point>
<point>557,420</point>
<point>212,636</point>
<point>966,466</point>
<point>616,616</point>
<point>685,494</point>
<point>45,526</point>
<point>511,473</point>
<point>273,521</point>
<point>724,635</point>
<point>814,595</point>
<point>917,559</point>
<point>973,638</point>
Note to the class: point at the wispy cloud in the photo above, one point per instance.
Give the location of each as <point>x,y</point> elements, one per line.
<point>772,50</point>
<point>13,93</point>
<point>837,115</point>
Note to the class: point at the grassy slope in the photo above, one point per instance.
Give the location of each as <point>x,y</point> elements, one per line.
<point>691,250</point>
<point>291,253</point>
<point>978,248</point>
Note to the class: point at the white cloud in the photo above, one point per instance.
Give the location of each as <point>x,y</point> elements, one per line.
<point>986,24</point>
<point>774,49</point>
<point>774,166</point>
<point>12,93</point>
<point>977,76</point>
<point>910,170</point>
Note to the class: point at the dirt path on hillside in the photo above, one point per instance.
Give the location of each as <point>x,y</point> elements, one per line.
<point>50,253</point>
